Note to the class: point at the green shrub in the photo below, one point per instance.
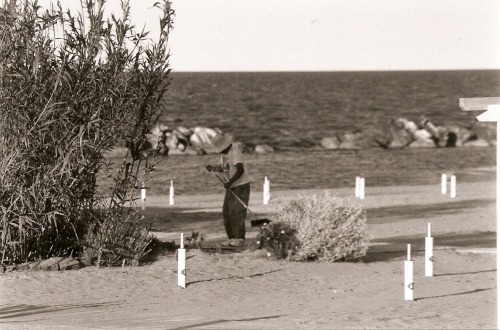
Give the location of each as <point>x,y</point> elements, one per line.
<point>278,238</point>
<point>328,228</point>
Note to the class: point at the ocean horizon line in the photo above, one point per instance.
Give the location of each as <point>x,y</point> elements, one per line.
<point>336,71</point>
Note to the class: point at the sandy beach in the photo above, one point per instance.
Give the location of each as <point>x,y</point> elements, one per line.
<point>248,289</point>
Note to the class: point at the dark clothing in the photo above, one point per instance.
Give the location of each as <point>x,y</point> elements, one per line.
<point>234,212</point>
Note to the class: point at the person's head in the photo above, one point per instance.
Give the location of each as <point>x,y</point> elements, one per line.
<point>221,143</point>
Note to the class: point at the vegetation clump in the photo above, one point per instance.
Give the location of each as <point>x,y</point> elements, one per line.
<point>71,87</point>
<point>317,227</point>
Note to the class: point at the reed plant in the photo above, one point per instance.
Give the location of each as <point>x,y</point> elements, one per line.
<point>73,84</point>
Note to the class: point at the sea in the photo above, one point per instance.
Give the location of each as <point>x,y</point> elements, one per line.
<point>293,111</point>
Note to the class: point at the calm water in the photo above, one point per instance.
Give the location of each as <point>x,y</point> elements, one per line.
<point>293,111</point>
<point>297,109</point>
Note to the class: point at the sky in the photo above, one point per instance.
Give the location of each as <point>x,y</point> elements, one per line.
<point>327,35</point>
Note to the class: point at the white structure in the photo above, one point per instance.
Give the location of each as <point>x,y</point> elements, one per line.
<point>171,197</point>
<point>453,186</point>
<point>492,105</point>
<point>143,196</point>
<point>409,276</point>
<point>356,189</point>
<point>181,264</point>
<point>266,191</point>
<point>429,253</point>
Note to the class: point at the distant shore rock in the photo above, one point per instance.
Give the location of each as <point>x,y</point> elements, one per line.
<point>262,149</point>
<point>404,133</point>
<point>398,133</point>
<point>330,143</point>
<point>477,143</point>
<point>182,140</point>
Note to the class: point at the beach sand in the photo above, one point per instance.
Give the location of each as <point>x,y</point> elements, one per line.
<point>248,289</point>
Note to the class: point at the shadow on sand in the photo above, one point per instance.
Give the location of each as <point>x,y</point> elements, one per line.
<point>455,294</point>
<point>395,247</point>
<point>226,321</point>
<point>12,312</point>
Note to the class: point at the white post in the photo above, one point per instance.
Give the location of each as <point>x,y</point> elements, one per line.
<point>266,192</point>
<point>143,196</point>
<point>409,276</point>
<point>362,188</point>
<point>429,253</point>
<point>181,264</point>
<point>443,183</point>
<point>356,189</point>
<point>453,186</point>
<point>171,199</point>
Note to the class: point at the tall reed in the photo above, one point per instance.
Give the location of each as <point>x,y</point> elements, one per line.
<point>71,86</point>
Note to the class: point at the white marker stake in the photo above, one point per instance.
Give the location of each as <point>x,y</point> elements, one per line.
<point>429,253</point>
<point>171,199</point>
<point>356,189</point>
<point>181,264</point>
<point>143,196</point>
<point>409,276</point>
<point>266,193</point>
<point>443,184</point>
<point>453,186</point>
<point>362,188</point>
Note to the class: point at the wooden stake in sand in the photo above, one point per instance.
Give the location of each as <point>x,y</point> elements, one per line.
<point>453,186</point>
<point>171,197</point>
<point>443,183</point>
<point>492,114</point>
<point>143,196</point>
<point>356,188</point>
<point>429,253</point>
<point>266,192</point>
<point>181,264</point>
<point>409,275</point>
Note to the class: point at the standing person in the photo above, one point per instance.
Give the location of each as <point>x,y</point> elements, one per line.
<point>237,184</point>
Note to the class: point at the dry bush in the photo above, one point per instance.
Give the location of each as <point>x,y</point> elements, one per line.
<point>328,228</point>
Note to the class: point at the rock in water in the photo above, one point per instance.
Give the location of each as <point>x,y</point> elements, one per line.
<point>262,149</point>
<point>203,137</point>
<point>477,143</point>
<point>330,143</point>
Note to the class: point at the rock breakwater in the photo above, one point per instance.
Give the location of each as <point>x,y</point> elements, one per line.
<point>399,133</point>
